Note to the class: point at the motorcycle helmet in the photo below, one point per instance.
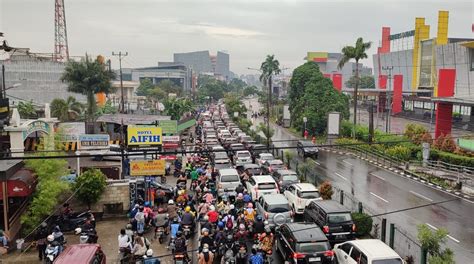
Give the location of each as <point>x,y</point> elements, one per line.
<point>240,196</point>
<point>56,229</point>
<point>230,237</point>
<point>171,201</point>
<point>212,208</point>
<point>206,218</point>
<point>220,224</point>
<point>149,253</point>
<point>50,238</point>
<point>204,230</point>
<point>259,218</point>
<point>128,226</point>
<point>268,230</point>
<point>187,209</point>
<point>43,225</point>
<point>232,207</point>
<point>190,196</point>
<point>250,205</point>
<point>265,223</point>
<point>77,231</point>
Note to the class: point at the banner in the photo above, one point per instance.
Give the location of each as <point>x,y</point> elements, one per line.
<point>171,138</point>
<point>147,167</point>
<point>94,141</point>
<point>142,136</point>
<point>169,126</point>
<point>70,131</point>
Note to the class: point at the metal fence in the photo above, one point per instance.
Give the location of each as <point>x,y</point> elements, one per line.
<point>406,246</point>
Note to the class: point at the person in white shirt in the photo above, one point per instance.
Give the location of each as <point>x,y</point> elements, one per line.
<point>124,243</point>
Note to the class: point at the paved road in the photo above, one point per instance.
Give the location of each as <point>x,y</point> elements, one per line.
<point>385,191</point>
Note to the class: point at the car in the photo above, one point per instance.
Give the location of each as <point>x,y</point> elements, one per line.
<point>303,243</point>
<point>262,157</point>
<point>261,185</point>
<point>275,209</point>
<point>269,166</point>
<point>285,177</point>
<point>81,253</point>
<point>242,157</point>
<point>301,194</point>
<point>306,149</point>
<point>333,218</point>
<point>252,169</point>
<point>219,155</point>
<point>370,251</point>
<point>234,147</point>
<point>228,180</point>
<point>211,141</point>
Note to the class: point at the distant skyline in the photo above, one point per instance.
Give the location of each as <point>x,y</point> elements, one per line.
<point>152,30</point>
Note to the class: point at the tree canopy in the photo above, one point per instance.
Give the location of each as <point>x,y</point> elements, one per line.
<point>177,107</point>
<point>89,186</point>
<point>313,96</point>
<point>66,110</point>
<point>27,110</point>
<point>364,82</point>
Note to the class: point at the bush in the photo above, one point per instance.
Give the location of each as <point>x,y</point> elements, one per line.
<point>415,132</point>
<point>90,186</point>
<point>346,128</point>
<point>325,189</point>
<point>399,152</point>
<point>451,158</point>
<point>363,223</point>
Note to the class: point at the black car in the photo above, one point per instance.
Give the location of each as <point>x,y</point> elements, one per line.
<point>257,149</point>
<point>303,243</point>
<point>285,178</point>
<point>334,219</point>
<point>307,149</point>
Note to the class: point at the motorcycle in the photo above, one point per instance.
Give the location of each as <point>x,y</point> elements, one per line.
<point>86,236</point>
<point>180,259</point>
<point>160,234</point>
<point>187,231</point>
<point>194,184</point>
<point>52,251</point>
<point>228,257</point>
<point>73,221</point>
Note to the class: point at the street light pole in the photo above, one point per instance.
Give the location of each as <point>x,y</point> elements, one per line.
<point>268,110</point>
<point>120,55</point>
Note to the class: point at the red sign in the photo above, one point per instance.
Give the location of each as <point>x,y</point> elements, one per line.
<point>168,157</point>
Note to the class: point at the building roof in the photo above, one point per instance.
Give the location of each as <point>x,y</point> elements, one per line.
<point>9,167</point>
<point>131,119</point>
<point>454,100</point>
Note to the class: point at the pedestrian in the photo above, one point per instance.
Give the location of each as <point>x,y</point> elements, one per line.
<point>306,134</point>
<point>40,237</point>
<point>140,218</point>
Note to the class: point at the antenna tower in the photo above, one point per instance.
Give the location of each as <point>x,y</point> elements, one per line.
<point>61,50</point>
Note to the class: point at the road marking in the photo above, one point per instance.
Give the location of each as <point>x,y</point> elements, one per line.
<point>435,228</point>
<point>348,162</point>
<point>340,176</point>
<point>316,162</point>
<point>421,196</point>
<point>379,197</point>
<point>377,176</point>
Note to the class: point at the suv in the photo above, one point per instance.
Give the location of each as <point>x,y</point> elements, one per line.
<point>366,251</point>
<point>303,243</point>
<point>275,209</point>
<point>228,180</point>
<point>300,194</point>
<point>307,149</point>
<point>333,218</point>
<point>261,185</point>
<point>242,157</point>
<point>285,177</point>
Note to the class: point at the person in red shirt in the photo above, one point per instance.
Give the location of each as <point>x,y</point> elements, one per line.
<point>306,133</point>
<point>213,215</point>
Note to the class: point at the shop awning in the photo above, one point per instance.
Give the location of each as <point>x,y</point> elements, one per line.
<point>20,184</point>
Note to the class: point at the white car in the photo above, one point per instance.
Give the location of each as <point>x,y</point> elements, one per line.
<point>301,194</point>
<point>261,185</point>
<point>262,157</point>
<point>242,157</point>
<point>370,251</point>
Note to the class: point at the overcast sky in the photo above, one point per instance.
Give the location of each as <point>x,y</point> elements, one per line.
<point>152,30</point>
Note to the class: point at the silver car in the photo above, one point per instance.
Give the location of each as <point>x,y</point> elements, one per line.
<point>275,209</point>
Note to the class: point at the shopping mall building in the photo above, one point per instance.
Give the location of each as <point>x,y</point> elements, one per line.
<point>428,77</point>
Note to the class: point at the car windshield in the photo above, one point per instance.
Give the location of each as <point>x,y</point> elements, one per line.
<point>266,157</point>
<point>220,155</point>
<point>338,218</point>
<point>308,195</point>
<point>278,208</point>
<point>266,186</point>
<point>289,178</point>
<point>310,247</point>
<point>255,171</point>
<point>230,178</point>
<point>387,261</point>
<point>243,155</point>
<point>276,166</point>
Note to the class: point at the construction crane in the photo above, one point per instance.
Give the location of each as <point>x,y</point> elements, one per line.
<point>61,49</point>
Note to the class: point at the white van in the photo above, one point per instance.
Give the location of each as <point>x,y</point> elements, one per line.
<point>370,251</point>
<point>228,180</point>
<point>261,185</point>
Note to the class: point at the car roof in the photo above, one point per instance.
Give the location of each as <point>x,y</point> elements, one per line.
<point>275,161</point>
<point>263,178</point>
<point>251,166</point>
<point>83,252</point>
<point>258,146</point>
<point>228,172</point>
<point>331,206</point>
<point>306,232</point>
<point>305,187</point>
<point>307,143</point>
<point>286,172</point>
<point>375,248</point>
<point>276,198</point>
<point>243,151</point>
<point>265,154</point>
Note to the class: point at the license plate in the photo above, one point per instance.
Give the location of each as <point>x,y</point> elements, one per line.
<point>340,236</point>
<point>314,259</point>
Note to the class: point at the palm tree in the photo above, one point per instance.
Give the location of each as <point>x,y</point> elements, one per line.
<point>176,108</point>
<point>66,110</point>
<point>88,77</point>
<point>27,110</point>
<point>268,68</point>
<point>357,53</point>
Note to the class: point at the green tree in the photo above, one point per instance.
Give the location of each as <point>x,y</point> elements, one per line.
<point>176,108</point>
<point>314,97</point>
<point>88,77</point>
<point>27,110</point>
<point>249,90</point>
<point>146,85</point>
<point>234,104</point>
<point>269,67</point>
<point>107,108</point>
<point>89,186</point>
<point>357,52</point>
<point>235,86</point>
<point>431,242</point>
<point>364,82</point>
<point>268,132</point>
<point>66,110</point>
<point>288,156</point>
<point>170,87</point>
<point>212,88</point>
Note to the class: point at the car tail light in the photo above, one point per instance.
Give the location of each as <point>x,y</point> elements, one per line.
<point>353,227</point>
<point>326,229</point>
<point>266,215</point>
<point>297,255</point>
<point>329,253</point>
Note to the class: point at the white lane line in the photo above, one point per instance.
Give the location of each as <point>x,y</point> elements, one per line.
<point>421,196</point>
<point>340,176</point>
<point>453,239</point>
<point>316,162</point>
<point>378,197</point>
<point>348,163</point>
<point>377,176</point>
<point>450,237</point>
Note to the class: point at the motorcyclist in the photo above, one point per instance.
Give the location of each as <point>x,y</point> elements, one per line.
<point>124,243</point>
<point>259,225</point>
<point>206,223</point>
<point>242,234</point>
<point>241,256</point>
<point>182,198</point>
<point>53,246</point>
<point>171,209</point>
<point>229,221</point>
<point>174,229</point>
<point>161,220</point>
<point>182,179</point>
<point>180,245</point>
<point>220,234</point>
<point>256,257</point>
<point>203,209</point>
<point>40,237</point>
<point>208,197</point>
<point>205,239</point>
<point>58,237</point>
<point>266,241</point>
<point>206,256</point>
<point>250,213</point>
<point>239,201</point>
<point>67,211</point>
<point>188,218</point>
<point>213,215</point>
<point>240,188</point>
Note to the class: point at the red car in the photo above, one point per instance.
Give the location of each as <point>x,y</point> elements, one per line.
<point>81,254</point>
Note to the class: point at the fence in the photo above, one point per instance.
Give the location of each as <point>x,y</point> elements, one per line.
<point>406,246</point>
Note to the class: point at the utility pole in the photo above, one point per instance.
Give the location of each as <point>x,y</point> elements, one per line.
<point>389,97</point>
<point>268,110</point>
<point>120,55</point>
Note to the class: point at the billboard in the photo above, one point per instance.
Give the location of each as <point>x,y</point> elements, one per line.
<point>70,131</point>
<point>147,167</point>
<point>169,126</point>
<point>317,56</point>
<point>94,141</point>
<point>334,121</point>
<point>144,136</point>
